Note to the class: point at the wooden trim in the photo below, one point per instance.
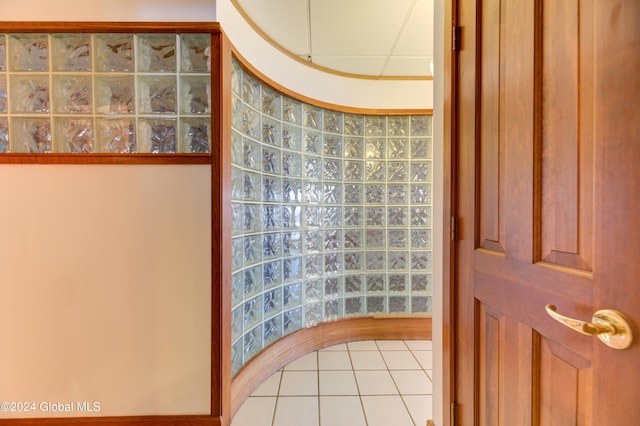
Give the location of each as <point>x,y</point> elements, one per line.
<point>55,158</point>
<point>119,421</point>
<point>291,347</point>
<point>108,27</point>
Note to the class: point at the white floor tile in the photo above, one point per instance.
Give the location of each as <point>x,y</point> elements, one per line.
<point>334,360</point>
<point>270,386</point>
<point>419,345</point>
<point>300,383</point>
<point>400,360</point>
<point>420,407</point>
<point>341,411</point>
<point>365,345</point>
<point>367,360</point>
<point>386,411</point>
<point>338,347</point>
<point>375,383</point>
<point>391,345</point>
<point>425,358</point>
<point>305,362</point>
<point>337,383</point>
<point>296,411</point>
<point>256,411</point>
<point>412,382</point>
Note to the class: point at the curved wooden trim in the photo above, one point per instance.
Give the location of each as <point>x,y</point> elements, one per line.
<point>119,421</point>
<point>57,158</point>
<point>293,346</point>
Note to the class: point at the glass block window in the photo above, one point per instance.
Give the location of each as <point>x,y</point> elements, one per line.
<point>332,215</point>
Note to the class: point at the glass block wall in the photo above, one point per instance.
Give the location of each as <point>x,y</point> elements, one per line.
<point>331,215</point>
<point>107,93</point>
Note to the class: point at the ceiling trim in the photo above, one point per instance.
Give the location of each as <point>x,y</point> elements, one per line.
<point>278,46</point>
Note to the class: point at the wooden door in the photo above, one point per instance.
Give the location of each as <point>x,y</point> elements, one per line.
<point>547,135</point>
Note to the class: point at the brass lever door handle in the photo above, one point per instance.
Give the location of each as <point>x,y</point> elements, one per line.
<point>611,327</point>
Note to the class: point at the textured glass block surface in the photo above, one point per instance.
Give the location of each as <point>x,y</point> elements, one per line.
<point>332,263</point>
<point>76,134</point>
<point>271,103</point>
<point>421,148</point>
<point>332,217</point>
<point>291,137</point>
<point>398,148</point>
<point>353,239</point>
<point>313,192</point>
<point>114,52</point>
<point>421,194</point>
<point>421,238</point>
<point>313,265</point>
<point>353,193</point>
<point>313,142</point>
<point>272,330</point>
<point>332,146</point>
<point>237,287</point>
<point>376,284</point>
<point>313,241</point>
<point>157,95</point>
<point>4,106</point>
<point>292,269</point>
<point>157,136</point>
<point>375,216</point>
<point>252,249</point>
<point>376,304</point>
<point>271,189</point>
<point>354,306</point>
<point>71,52</point>
<point>237,353</point>
<point>397,283</point>
<point>421,172</point>
<point>332,122</point>
<point>251,123</point>
<point>353,284</point>
<point>271,217</point>
<point>397,194</point>
<point>397,238</point>
<point>421,125</point>
<point>3,52</point>
<point>252,281</point>
<point>397,216</point>
<point>292,295</point>
<point>195,53</point>
<point>375,126</point>
<point>332,309</point>
<point>32,135</point>
<point>195,135</point>
<point>398,126</point>
<point>291,111</point>
<point>353,261</point>
<point>332,239</point>
<point>375,171</point>
<point>252,343</point>
<point>28,52</point>
<point>291,217</point>
<point>313,216</point>
<point>291,243</point>
<point>421,283</point>
<point>333,287</point>
<point>30,94</point>
<point>421,261</point>
<point>291,191</point>
<point>236,323</point>
<point>291,164</point>
<point>114,94</point>
<point>312,117</point>
<point>421,304</point>
<point>397,260</point>
<point>156,53</point>
<point>251,94</point>
<point>4,135</point>
<point>272,303</point>
<point>252,312</point>
<point>375,148</point>
<point>332,169</point>
<point>195,95</point>
<point>353,125</point>
<point>271,246</point>
<point>374,238</point>
<point>313,167</point>
<point>72,94</point>
<point>353,170</point>
<point>353,216</point>
<point>375,194</point>
<point>354,148</point>
<point>312,314</point>
<point>421,216</point>
<point>237,213</point>
<point>251,186</point>
<point>252,218</point>
<point>375,260</point>
<point>251,154</point>
<point>237,253</point>
<point>397,171</point>
<point>398,304</point>
<point>292,320</point>
<point>332,193</point>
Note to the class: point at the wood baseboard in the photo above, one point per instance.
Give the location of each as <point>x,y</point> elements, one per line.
<point>293,346</point>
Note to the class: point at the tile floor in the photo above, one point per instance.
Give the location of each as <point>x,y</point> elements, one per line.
<point>368,383</point>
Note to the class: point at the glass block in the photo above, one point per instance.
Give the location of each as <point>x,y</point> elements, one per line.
<point>195,136</point>
<point>251,186</point>
<point>313,142</point>
<point>332,217</point>
<point>291,137</point>
<point>114,94</point>
<point>236,113</point>
<point>375,260</point>
<point>421,238</point>
<point>421,125</point>
<point>332,309</point>
<point>157,95</point>
<point>75,134</point>
<point>375,216</point>
<point>292,295</point>
<point>156,53</point>
<point>291,243</point>
<point>376,284</point>
<point>116,135</point>
<point>237,253</point>
<point>4,106</point>
<point>354,148</point>
<point>332,193</point>
<point>251,154</point>
<point>313,167</point>
<point>375,148</point>
<point>195,53</point>
<point>421,194</point>
<point>312,314</point>
<point>397,260</point>
<point>251,219</point>
<point>333,287</point>
<point>251,92</point>
<point>292,320</point>
<point>114,52</point>
<point>291,164</point>
<point>195,95</point>
<point>271,103</point>
<point>271,246</point>
<point>31,135</point>
<point>291,191</point>
<point>237,323</point>
<point>252,281</point>
<point>271,217</point>
<point>374,194</point>
<point>271,189</point>
<point>353,216</point>
<point>236,76</point>
<point>398,126</point>
<point>237,287</point>
<point>291,217</point>
<point>30,94</point>
<point>252,312</point>
<point>251,123</point>
<point>332,263</point>
<point>237,352</point>
<point>71,94</point>
<point>313,241</point>
<point>374,238</point>
<point>291,111</point>
<point>353,261</point>
<point>252,343</point>
<point>397,216</point>
<point>237,184</point>
<point>271,132</point>
<point>157,136</point>
<point>353,170</point>
<point>397,283</point>
<point>71,52</point>
<point>272,330</point>
<point>4,135</point>
<point>397,238</point>
<point>421,148</point>
<point>353,193</point>
<point>313,192</point>
<point>421,171</point>
<point>313,265</point>
<point>375,171</point>
<point>313,216</point>
<point>398,148</point>
<point>3,53</point>
<point>398,304</point>
<point>236,148</point>
<point>333,145</point>
<point>421,305</point>
<point>332,122</point>
<point>421,261</point>
<point>28,52</point>
<point>397,194</point>
<point>313,290</point>
<point>292,269</point>
<point>421,216</point>
<point>332,169</point>
<point>252,249</point>
<point>353,284</point>
<point>354,306</point>
<point>376,304</point>
<point>353,125</point>
<point>312,117</point>
<point>353,239</point>
<point>237,215</point>
<point>397,171</point>
<point>375,126</point>
<point>421,283</point>
<point>272,303</point>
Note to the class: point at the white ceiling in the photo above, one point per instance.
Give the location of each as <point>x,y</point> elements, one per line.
<point>389,38</point>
